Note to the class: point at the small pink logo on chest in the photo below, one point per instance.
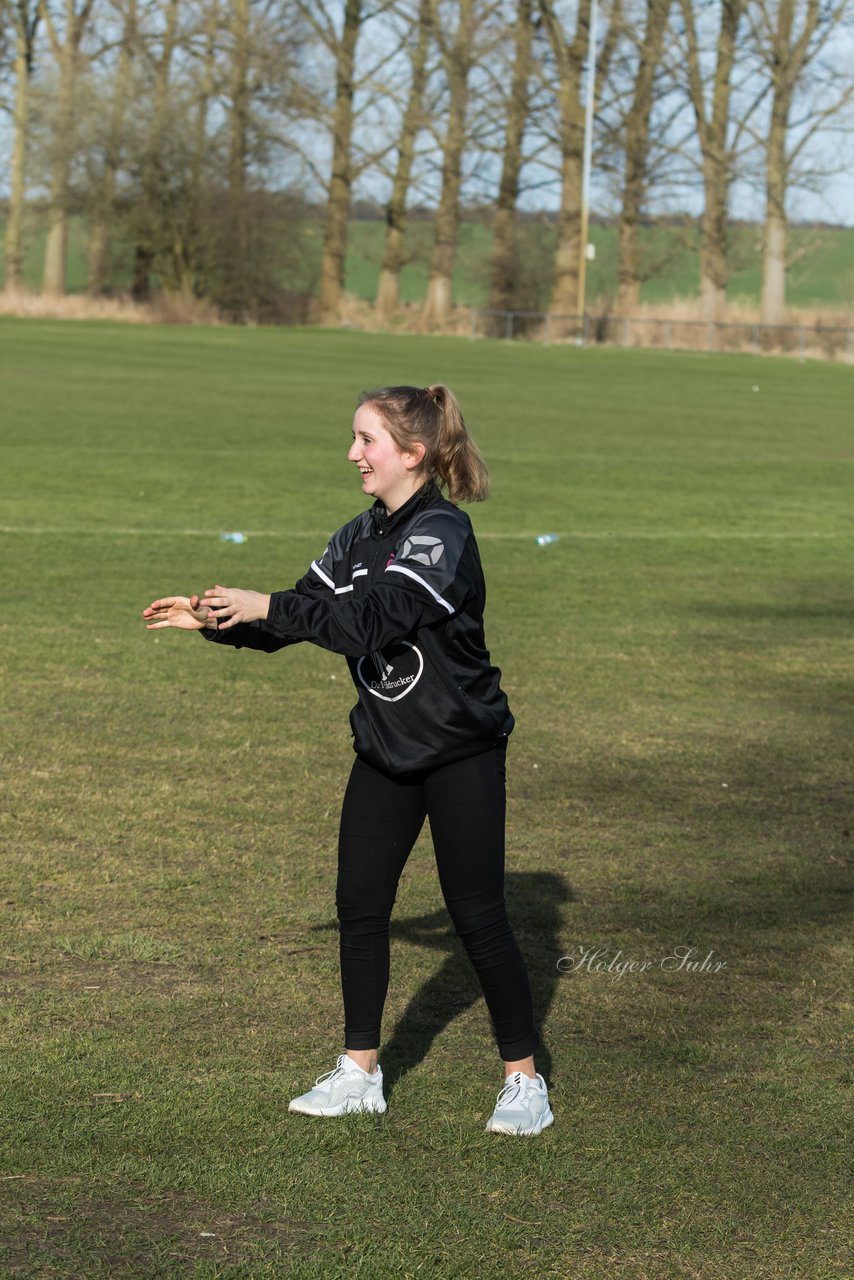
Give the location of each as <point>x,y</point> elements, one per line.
<point>388,562</point>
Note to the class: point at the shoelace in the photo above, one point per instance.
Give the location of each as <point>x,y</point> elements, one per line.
<point>327,1075</point>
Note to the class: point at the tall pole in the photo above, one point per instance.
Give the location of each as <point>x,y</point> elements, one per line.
<point>588,155</point>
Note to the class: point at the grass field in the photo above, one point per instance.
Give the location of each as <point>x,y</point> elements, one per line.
<point>679,664</point>
<point>821,274</point>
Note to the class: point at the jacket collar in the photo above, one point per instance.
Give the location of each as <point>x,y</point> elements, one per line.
<point>383,523</point>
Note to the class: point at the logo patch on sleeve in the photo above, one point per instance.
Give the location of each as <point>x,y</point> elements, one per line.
<point>423,549</point>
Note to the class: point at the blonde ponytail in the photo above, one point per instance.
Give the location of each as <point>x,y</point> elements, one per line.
<point>432,416</point>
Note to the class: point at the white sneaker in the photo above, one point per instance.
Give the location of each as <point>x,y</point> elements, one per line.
<point>343,1089</point>
<point>522,1106</point>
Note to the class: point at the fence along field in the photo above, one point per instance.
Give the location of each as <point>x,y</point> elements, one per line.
<point>668,331</point>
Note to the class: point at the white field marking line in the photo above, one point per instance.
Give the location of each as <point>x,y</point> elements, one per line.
<point>484,535</point>
<point>117,531</point>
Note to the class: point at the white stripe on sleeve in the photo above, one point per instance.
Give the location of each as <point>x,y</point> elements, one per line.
<point>324,577</point>
<point>400,568</point>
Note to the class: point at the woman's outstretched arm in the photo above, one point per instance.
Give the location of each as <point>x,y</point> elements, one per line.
<point>385,614</point>
<point>431,577</point>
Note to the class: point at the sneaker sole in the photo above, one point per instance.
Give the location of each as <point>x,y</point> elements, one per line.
<point>350,1107</point>
<point>544,1121</point>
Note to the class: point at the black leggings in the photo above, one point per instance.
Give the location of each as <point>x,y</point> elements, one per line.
<point>380,821</point>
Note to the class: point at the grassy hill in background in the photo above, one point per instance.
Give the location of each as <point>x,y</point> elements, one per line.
<point>821,275</point>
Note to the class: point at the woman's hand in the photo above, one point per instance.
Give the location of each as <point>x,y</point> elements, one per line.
<point>229,605</point>
<point>185,612</point>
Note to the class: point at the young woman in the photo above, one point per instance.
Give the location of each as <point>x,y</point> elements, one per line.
<point>400,592</point>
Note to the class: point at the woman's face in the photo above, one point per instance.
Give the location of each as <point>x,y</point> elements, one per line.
<point>386,473</point>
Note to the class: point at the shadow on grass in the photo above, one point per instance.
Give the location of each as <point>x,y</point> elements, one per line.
<point>534,906</point>
<point>809,608</point>
<point>454,988</point>
<point>744,851</point>
<point>760,871</point>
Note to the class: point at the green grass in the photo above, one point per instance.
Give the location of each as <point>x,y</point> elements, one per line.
<point>679,664</point>
<point>821,274</point>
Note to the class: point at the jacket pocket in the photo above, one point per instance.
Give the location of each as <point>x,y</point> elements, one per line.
<point>474,712</point>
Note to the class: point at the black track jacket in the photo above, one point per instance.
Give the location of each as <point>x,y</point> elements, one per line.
<point>402,597</point>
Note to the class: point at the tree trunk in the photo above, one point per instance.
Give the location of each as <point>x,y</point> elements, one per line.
<point>712,131</point>
<point>388,286</point>
<point>238,131</point>
<point>504,225</point>
<point>569,58</point>
<point>637,155</point>
<point>334,254</point>
<point>143,261</point>
<point>238,284</point>
<point>714,260</point>
<point>99,240</point>
<point>388,289</point>
<point>67,55</point>
<point>154,235</point>
<point>439,300</point>
<point>56,247</point>
<point>629,289</point>
<point>191,266</point>
<point>788,59</point>
<point>774,268</point>
<point>564,296</point>
<point>24,36</point>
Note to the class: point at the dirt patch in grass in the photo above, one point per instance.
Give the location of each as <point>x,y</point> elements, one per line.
<point>102,975</point>
<point>153,1234</point>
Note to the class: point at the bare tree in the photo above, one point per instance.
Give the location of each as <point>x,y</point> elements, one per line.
<point>236,262</point>
<point>717,147</point>
<point>569,54</point>
<point>637,150</point>
<point>66,42</point>
<point>798,47</point>
<point>503,264</point>
<point>388,289</point>
<point>343,49</point>
<point>25,19</point>
<point>184,179</point>
<point>457,57</point>
<point>153,213</point>
<point>191,267</point>
<point>114,143</point>
<point>221,235</point>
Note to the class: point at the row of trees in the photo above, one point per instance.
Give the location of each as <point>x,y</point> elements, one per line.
<point>195,131</point>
